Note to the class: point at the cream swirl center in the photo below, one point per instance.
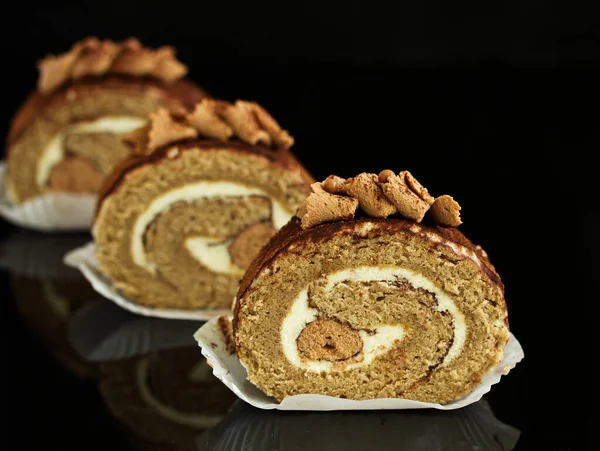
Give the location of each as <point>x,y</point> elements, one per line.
<point>54,152</point>
<point>213,253</point>
<point>217,260</point>
<point>381,337</point>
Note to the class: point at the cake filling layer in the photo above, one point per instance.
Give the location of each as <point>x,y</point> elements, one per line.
<point>377,338</point>
<point>280,215</point>
<point>213,253</point>
<point>327,339</point>
<point>377,341</point>
<point>191,246</point>
<point>390,273</point>
<point>54,152</point>
<point>75,175</point>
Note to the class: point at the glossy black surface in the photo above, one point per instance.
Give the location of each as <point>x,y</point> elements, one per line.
<point>498,106</point>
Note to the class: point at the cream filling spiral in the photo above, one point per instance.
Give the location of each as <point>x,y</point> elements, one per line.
<point>213,253</point>
<point>210,252</point>
<point>54,152</point>
<point>380,338</point>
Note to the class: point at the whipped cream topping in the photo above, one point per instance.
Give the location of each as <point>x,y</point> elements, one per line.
<point>54,152</point>
<point>385,336</point>
<point>213,253</point>
<point>280,215</point>
<point>377,196</point>
<point>216,119</point>
<point>93,57</point>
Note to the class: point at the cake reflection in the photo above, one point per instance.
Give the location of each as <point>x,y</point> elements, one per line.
<point>472,428</point>
<point>165,399</point>
<point>153,378</point>
<point>102,331</point>
<point>39,256</point>
<point>151,374</point>
<point>46,292</point>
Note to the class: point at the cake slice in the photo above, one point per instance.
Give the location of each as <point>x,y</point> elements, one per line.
<point>371,292</point>
<point>65,138</point>
<point>179,222</point>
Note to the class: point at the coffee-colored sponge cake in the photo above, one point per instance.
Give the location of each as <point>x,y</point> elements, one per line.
<point>178,224</point>
<point>66,137</point>
<point>371,292</point>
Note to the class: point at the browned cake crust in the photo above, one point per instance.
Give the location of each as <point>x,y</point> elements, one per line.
<point>180,92</point>
<point>293,232</point>
<point>282,158</point>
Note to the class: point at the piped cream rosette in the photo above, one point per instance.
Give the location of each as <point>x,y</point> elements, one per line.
<point>177,225</point>
<point>357,298</point>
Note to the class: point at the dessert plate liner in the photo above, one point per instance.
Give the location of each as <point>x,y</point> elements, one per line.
<point>230,371</point>
<point>84,259</point>
<point>49,212</point>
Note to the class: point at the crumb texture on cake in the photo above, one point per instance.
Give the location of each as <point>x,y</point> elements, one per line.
<point>370,308</point>
<point>177,226</point>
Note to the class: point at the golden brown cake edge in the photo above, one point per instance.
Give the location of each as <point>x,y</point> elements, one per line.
<point>184,92</point>
<point>293,232</point>
<point>113,181</point>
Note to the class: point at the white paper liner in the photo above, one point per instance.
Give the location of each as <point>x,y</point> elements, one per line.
<point>230,371</point>
<point>49,212</point>
<point>84,259</point>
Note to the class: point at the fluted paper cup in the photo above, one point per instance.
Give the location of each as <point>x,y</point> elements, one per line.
<point>49,212</point>
<point>84,259</point>
<point>227,367</point>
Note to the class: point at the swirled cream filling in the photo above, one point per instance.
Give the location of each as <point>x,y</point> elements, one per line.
<point>301,314</point>
<point>383,336</point>
<point>54,152</point>
<point>217,261</point>
<point>213,253</point>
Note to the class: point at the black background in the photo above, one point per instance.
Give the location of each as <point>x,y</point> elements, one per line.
<point>494,104</point>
